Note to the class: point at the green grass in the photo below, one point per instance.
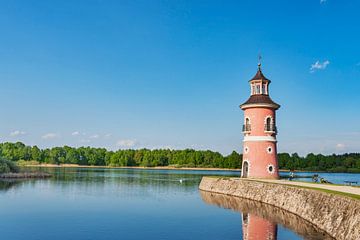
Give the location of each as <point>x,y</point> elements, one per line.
<point>354,196</point>
<point>330,184</point>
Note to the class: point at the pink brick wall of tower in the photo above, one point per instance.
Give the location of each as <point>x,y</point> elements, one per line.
<point>260,153</point>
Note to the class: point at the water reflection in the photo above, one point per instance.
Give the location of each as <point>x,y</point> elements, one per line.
<point>255,227</point>
<point>101,178</point>
<point>6,185</point>
<point>260,221</point>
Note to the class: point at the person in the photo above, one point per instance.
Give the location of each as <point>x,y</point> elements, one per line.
<point>323,180</point>
<point>291,175</point>
<point>315,178</point>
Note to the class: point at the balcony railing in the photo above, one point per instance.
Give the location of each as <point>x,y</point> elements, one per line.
<point>270,128</point>
<point>246,128</point>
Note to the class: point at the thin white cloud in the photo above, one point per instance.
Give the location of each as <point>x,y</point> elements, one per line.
<point>76,133</point>
<point>323,1</point>
<point>340,146</point>
<point>107,135</point>
<point>126,143</point>
<point>95,136</point>
<point>17,133</point>
<point>319,65</point>
<point>49,136</point>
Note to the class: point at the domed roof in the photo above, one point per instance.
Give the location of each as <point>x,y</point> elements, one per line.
<point>259,99</point>
<point>259,76</point>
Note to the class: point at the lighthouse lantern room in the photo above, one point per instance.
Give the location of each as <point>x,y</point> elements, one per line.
<point>259,129</point>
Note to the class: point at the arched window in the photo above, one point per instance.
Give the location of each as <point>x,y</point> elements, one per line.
<point>268,120</point>
<point>247,126</point>
<point>264,89</point>
<point>257,89</point>
<point>245,169</point>
<point>268,124</point>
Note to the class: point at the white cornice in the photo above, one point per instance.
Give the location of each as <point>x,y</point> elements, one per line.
<point>259,139</point>
<point>258,105</point>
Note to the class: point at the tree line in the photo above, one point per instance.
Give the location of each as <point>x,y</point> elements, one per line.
<point>349,162</point>
<point>128,157</point>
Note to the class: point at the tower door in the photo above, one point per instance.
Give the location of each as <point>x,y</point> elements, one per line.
<point>245,169</point>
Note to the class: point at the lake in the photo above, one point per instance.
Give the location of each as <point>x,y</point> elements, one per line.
<point>98,203</point>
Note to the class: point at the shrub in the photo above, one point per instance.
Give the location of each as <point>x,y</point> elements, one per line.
<point>353,170</point>
<point>7,166</point>
<point>338,169</point>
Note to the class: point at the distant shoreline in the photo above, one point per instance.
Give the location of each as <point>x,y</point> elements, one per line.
<point>132,167</point>
<point>149,168</point>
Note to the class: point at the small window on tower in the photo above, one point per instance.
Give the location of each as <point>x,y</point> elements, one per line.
<point>263,89</point>
<point>246,150</point>
<point>257,89</point>
<point>271,169</point>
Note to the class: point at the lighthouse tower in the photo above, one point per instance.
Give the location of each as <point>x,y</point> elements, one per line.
<point>259,153</point>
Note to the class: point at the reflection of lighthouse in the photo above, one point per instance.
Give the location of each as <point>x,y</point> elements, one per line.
<point>260,153</point>
<point>257,228</point>
<point>259,220</point>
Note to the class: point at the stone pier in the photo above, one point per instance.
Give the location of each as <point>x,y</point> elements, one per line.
<point>338,216</point>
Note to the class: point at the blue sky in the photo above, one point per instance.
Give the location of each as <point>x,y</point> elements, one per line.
<point>155,74</point>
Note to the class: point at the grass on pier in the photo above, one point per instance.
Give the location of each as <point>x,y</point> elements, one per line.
<point>354,196</point>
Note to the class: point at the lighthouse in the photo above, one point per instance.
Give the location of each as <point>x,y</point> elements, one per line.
<point>259,129</point>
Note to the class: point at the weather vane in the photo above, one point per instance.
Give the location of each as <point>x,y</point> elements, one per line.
<point>259,63</point>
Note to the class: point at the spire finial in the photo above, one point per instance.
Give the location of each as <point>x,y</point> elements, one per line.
<point>259,63</point>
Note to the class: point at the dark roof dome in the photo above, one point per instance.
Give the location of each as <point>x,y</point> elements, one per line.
<point>259,76</point>
<point>260,99</point>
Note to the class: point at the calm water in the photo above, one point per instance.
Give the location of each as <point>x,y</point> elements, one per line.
<point>81,204</point>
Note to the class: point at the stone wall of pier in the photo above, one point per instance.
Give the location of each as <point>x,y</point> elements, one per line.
<point>337,215</point>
